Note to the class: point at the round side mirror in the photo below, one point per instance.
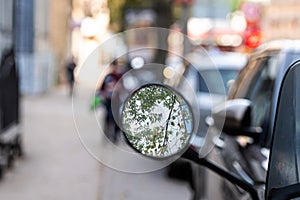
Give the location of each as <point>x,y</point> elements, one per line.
<point>157,121</point>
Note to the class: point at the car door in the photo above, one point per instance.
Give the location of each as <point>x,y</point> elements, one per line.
<point>256,83</point>
<point>283,179</point>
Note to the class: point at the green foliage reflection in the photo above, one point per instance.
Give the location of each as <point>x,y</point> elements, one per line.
<point>157,121</point>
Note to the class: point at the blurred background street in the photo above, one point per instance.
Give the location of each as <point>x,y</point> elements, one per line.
<point>47,46</point>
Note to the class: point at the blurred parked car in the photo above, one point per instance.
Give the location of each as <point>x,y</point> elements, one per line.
<point>228,64</point>
<point>245,154</point>
<point>239,160</point>
<point>243,148</point>
<point>241,180</point>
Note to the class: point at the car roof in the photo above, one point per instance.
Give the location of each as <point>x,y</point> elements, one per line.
<point>280,45</point>
<point>283,48</point>
<point>222,60</point>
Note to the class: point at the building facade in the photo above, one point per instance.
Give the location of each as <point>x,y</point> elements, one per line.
<point>39,32</point>
<point>281,19</point>
<point>6,25</point>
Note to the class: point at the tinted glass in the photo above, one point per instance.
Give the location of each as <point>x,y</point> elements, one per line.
<point>257,84</point>
<point>228,76</point>
<point>261,91</point>
<point>248,75</point>
<point>243,81</point>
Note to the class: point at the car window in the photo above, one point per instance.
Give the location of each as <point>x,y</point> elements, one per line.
<point>228,76</point>
<point>242,82</point>
<point>256,82</point>
<point>261,90</point>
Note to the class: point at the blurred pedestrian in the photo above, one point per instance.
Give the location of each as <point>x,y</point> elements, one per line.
<point>70,68</point>
<point>111,128</point>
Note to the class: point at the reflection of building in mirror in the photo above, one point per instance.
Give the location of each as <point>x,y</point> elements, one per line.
<point>157,121</point>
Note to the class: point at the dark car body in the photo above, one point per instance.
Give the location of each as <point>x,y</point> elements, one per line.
<point>283,181</point>
<point>247,156</point>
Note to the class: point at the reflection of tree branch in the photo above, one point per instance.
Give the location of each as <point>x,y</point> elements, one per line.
<point>184,132</point>
<point>183,121</point>
<point>168,120</point>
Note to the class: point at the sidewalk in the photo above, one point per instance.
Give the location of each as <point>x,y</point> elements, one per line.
<point>55,166</point>
<point>148,186</point>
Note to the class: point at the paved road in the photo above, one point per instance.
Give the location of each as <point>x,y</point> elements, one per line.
<point>57,166</point>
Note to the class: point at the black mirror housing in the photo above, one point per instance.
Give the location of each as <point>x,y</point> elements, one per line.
<point>234,118</point>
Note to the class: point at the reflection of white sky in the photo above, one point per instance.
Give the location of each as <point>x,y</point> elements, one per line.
<point>161,109</point>
<point>175,140</point>
<point>188,123</point>
<point>157,109</point>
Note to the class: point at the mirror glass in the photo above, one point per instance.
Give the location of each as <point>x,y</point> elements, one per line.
<point>157,121</point>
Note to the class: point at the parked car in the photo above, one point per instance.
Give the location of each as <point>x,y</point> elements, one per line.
<point>228,65</point>
<point>283,180</point>
<point>200,65</point>
<point>237,167</point>
<point>244,150</point>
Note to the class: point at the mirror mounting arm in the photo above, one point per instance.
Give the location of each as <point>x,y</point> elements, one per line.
<point>192,155</point>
